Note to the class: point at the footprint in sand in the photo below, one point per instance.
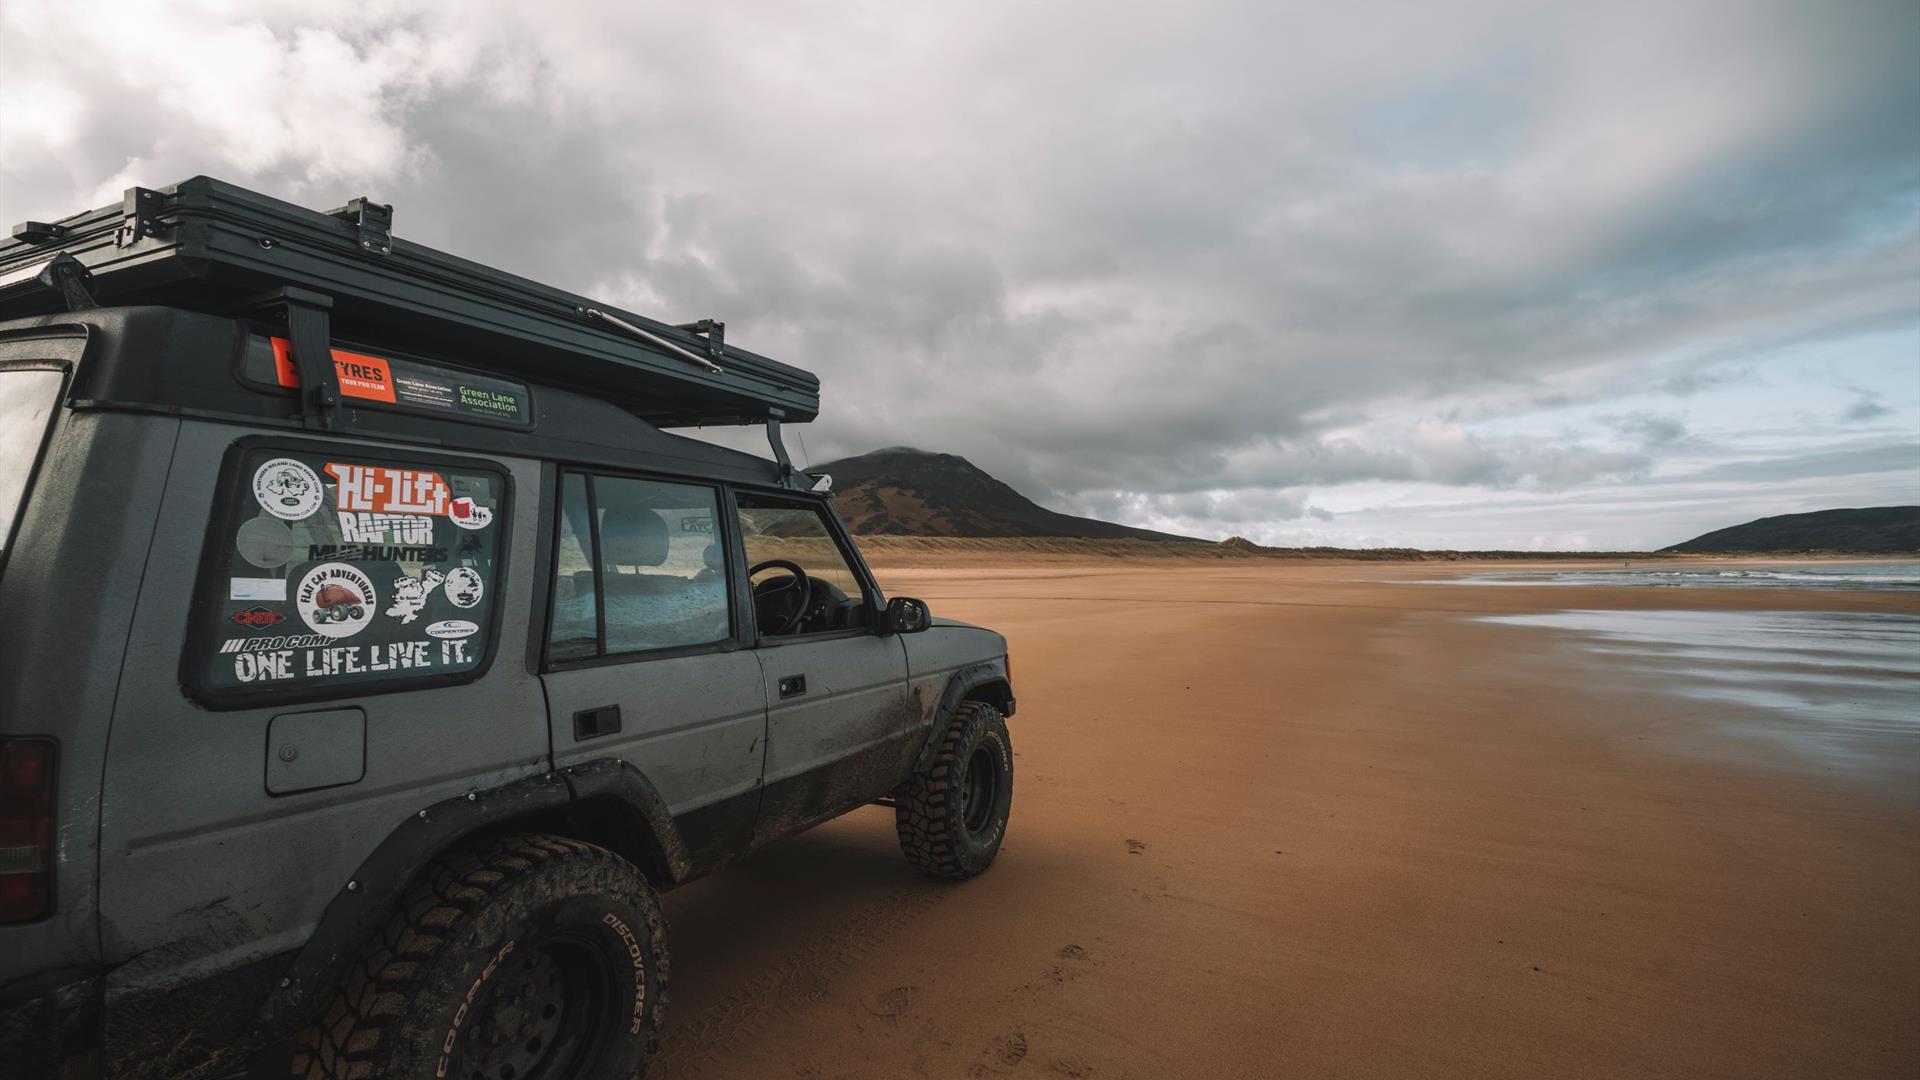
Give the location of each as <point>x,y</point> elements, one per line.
<point>1135,847</point>
<point>1072,1067</point>
<point>891,1005</point>
<point>1007,1050</point>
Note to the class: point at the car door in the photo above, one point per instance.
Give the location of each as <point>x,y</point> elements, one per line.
<point>646,658</point>
<point>840,727</point>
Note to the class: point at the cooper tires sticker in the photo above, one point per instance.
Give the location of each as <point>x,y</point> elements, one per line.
<point>336,600</point>
<point>452,628</point>
<point>288,489</point>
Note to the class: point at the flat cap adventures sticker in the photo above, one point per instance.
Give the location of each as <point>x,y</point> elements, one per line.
<point>335,599</point>
<point>287,489</point>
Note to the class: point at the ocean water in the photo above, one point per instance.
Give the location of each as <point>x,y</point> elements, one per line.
<point>1897,576</point>
<point>1841,690</point>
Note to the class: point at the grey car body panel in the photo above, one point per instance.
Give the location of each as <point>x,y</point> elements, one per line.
<point>847,737</point>
<point>79,556</point>
<point>178,866</point>
<point>698,722</point>
<point>947,664</point>
<point>202,867</point>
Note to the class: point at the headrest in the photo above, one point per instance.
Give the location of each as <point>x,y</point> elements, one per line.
<point>632,536</point>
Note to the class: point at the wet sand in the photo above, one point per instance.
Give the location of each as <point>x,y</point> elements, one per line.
<point>1288,820</point>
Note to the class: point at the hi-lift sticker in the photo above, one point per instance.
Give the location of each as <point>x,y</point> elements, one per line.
<point>379,489</point>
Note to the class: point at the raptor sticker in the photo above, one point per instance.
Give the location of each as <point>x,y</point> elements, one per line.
<point>288,489</point>
<point>335,599</point>
<point>402,529</point>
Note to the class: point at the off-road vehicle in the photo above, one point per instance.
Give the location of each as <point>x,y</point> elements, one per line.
<point>370,656</point>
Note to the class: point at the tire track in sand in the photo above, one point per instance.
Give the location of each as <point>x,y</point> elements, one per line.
<point>693,1044</point>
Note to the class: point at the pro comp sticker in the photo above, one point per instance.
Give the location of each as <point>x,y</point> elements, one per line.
<point>287,489</point>
<point>336,600</point>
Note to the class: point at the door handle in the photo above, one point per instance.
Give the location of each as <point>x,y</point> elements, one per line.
<point>588,723</point>
<point>793,686</point>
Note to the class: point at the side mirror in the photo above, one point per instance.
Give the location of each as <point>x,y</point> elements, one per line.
<point>905,615</point>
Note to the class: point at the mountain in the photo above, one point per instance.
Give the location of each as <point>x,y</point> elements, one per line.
<point>906,492</point>
<point>1876,530</point>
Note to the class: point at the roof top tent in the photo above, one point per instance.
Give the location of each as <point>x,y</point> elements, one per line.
<point>341,275</point>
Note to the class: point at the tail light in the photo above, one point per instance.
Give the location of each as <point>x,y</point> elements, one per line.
<point>26,829</point>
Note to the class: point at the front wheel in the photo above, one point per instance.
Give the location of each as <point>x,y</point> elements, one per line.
<point>952,815</point>
<point>526,957</point>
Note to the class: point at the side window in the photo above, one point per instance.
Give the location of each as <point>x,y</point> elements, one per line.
<point>576,601</point>
<point>776,531</point>
<point>334,569</point>
<point>639,567</point>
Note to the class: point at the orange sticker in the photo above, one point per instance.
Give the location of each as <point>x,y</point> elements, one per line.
<point>360,375</point>
<point>376,489</point>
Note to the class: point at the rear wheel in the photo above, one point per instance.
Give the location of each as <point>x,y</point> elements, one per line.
<point>528,957</point>
<point>952,815</point>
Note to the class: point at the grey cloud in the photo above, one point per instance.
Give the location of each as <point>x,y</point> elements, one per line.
<point>1218,247</point>
<point>1649,429</point>
<point>1890,458</point>
<point>1866,406</point>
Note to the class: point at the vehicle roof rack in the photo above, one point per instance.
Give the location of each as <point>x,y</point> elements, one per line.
<point>206,245</point>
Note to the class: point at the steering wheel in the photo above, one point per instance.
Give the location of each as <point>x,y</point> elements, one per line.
<point>796,590</point>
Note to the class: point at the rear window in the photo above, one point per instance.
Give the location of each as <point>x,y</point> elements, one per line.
<point>28,397</point>
<point>332,571</point>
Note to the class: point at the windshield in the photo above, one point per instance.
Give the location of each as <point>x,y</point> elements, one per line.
<point>28,396</point>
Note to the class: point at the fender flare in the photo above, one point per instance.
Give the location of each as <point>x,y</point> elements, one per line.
<point>962,685</point>
<point>362,902</point>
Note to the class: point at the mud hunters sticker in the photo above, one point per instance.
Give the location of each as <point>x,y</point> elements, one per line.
<point>336,600</point>
<point>288,489</point>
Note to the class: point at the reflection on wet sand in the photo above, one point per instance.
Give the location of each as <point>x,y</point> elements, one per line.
<point>1834,687</point>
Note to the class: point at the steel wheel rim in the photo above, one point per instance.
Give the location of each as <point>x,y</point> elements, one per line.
<point>546,1016</point>
<point>981,786</point>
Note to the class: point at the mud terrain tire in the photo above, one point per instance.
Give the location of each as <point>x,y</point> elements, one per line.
<point>524,955</point>
<point>952,815</point>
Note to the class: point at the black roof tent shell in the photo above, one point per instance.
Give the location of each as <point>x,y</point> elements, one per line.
<point>180,363</point>
<point>209,246</point>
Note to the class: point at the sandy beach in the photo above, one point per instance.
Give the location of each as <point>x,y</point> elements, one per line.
<point>1313,820</point>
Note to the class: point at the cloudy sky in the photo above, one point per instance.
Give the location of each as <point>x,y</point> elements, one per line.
<point>1468,274</point>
